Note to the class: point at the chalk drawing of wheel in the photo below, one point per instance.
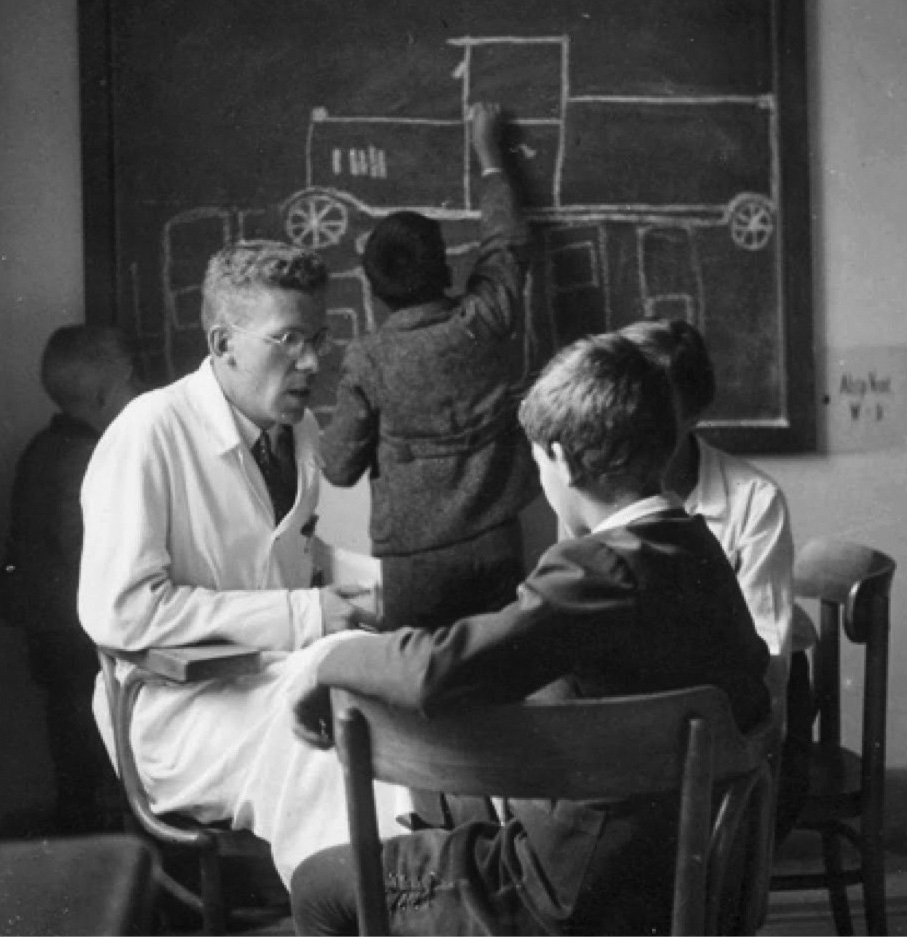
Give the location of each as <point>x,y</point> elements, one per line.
<point>752,221</point>
<point>316,220</point>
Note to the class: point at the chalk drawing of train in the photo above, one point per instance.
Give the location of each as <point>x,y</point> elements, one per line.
<point>366,164</point>
<point>711,163</point>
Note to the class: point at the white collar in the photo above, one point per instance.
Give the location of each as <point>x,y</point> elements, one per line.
<point>709,497</point>
<point>229,426</point>
<point>639,509</point>
<point>250,432</point>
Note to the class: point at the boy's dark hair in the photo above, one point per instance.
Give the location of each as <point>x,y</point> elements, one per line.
<point>679,349</point>
<point>609,407</point>
<point>78,360</point>
<point>405,260</point>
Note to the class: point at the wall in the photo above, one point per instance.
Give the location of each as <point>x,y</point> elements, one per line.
<point>858,66</point>
<point>40,289</point>
<point>40,207</point>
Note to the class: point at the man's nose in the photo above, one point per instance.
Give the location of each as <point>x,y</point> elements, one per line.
<point>307,361</point>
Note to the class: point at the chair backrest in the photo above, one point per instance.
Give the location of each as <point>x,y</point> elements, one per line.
<point>611,749</point>
<point>852,584</point>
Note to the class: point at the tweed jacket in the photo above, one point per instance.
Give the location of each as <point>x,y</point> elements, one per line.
<point>426,404</point>
<point>648,606</point>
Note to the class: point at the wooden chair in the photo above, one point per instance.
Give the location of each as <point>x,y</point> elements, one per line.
<point>209,843</point>
<point>578,749</point>
<point>852,584</point>
<point>77,885</point>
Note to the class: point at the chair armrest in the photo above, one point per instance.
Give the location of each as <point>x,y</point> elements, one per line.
<point>191,663</point>
<point>164,665</point>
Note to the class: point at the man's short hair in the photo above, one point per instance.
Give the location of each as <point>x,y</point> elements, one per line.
<point>80,360</point>
<point>237,271</point>
<point>609,407</point>
<point>405,260</point>
<point>679,349</point>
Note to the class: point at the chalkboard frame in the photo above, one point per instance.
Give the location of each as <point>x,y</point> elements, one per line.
<point>101,139</point>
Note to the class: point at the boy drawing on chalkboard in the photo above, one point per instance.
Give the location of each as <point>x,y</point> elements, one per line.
<point>424,406</point>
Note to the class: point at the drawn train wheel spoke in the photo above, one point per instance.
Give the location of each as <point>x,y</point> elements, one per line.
<point>752,222</point>
<point>316,221</point>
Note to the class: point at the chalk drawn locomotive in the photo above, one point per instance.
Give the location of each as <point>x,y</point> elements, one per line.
<point>585,175</point>
<point>362,163</point>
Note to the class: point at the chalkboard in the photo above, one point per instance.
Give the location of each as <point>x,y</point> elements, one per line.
<point>659,146</point>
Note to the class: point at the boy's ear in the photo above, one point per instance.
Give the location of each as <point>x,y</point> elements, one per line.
<point>566,468</point>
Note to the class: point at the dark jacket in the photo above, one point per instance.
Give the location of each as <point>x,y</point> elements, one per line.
<point>41,568</point>
<point>648,607</point>
<point>427,404</point>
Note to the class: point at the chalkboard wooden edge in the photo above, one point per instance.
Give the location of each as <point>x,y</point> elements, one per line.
<point>796,231</point>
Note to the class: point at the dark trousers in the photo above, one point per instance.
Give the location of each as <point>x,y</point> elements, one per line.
<point>87,798</point>
<point>793,779</point>
<point>481,878</point>
<point>434,588</point>
<point>436,882</point>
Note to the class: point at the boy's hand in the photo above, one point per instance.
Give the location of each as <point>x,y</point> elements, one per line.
<point>309,700</point>
<point>485,121</point>
<point>313,719</point>
<point>338,614</point>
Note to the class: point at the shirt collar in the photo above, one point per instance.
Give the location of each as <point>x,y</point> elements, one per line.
<point>248,431</point>
<point>656,504</point>
<point>230,426</point>
<point>710,496</point>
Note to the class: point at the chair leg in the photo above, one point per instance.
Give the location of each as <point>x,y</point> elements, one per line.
<point>873,859</point>
<point>214,912</point>
<point>837,889</point>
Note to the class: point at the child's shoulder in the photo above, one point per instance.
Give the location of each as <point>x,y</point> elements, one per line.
<point>577,563</point>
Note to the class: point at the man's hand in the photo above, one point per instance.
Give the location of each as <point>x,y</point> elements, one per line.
<point>485,121</point>
<point>309,701</point>
<point>339,614</point>
<point>314,721</point>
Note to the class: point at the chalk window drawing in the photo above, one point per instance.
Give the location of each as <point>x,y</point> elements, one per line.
<point>670,277</point>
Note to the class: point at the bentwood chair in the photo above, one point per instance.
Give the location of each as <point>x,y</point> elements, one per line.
<point>180,836</point>
<point>850,584</point>
<point>613,749</point>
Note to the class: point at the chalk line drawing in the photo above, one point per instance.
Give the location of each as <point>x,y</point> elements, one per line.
<point>358,169</point>
<point>350,160</point>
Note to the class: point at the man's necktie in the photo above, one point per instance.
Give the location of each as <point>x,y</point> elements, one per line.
<point>278,468</point>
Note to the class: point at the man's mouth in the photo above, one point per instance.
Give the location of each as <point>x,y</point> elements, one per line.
<point>300,393</point>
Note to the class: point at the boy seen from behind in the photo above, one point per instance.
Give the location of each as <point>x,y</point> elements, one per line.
<point>640,599</point>
<point>425,406</point>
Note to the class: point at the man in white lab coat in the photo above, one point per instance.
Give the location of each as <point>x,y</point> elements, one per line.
<point>186,540</point>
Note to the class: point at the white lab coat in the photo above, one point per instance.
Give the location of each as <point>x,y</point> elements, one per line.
<point>180,547</point>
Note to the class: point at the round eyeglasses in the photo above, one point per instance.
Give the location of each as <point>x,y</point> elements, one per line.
<point>293,342</point>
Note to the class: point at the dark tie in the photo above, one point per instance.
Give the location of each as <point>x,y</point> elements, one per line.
<point>278,468</point>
